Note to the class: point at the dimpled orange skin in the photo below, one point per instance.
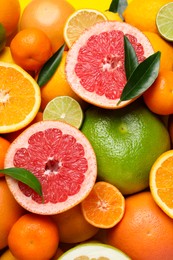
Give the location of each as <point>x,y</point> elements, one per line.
<point>145,232</point>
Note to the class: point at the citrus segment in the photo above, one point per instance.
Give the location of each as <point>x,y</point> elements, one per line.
<point>164,20</point>
<point>61,157</point>
<point>79,21</point>
<point>94,251</point>
<point>19,98</point>
<point>104,206</point>
<point>64,108</point>
<point>95,63</point>
<point>161,182</point>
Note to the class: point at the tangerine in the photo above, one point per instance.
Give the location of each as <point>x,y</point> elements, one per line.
<point>145,232</point>
<point>9,15</point>
<point>33,237</point>
<point>31,48</point>
<point>49,16</point>
<point>10,212</point>
<point>159,97</point>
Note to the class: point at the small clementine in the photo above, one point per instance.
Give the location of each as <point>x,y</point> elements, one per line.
<point>30,49</point>
<point>159,97</point>
<point>33,237</point>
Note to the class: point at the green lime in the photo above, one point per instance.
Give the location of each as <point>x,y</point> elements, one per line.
<point>126,142</point>
<point>64,108</point>
<point>2,37</point>
<point>164,21</point>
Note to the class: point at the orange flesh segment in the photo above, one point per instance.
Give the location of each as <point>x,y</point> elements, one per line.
<point>164,182</point>
<point>104,207</point>
<point>11,83</point>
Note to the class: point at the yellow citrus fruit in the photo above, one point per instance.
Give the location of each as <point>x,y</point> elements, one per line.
<point>161,182</point>
<point>19,98</point>
<point>5,55</point>
<point>145,232</point>
<point>142,14</point>
<point>159,44</point>
<point>49,16</point>
<point>10,212</point>
<point>79,21</point>
<point>94,4</point>
<point>57,86</point>
<point>112,16</point>
<point>126,141</point>
<point>72,226</point>
<point>7,255</point>
<point>9,15</point>
<point>33,237</point>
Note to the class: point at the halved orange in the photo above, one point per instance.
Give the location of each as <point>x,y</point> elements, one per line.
<point>161,182</point>
<point>19,98</point>
<point>104,206</point>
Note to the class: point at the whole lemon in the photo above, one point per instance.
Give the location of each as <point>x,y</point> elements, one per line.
<point>126,141</point>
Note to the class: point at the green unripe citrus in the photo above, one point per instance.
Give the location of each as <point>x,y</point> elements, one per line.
<point>126,141</point>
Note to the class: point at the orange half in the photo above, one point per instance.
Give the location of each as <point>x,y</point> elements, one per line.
<point>19,98</point>
<point>105,205</point>
<point>161,182</point>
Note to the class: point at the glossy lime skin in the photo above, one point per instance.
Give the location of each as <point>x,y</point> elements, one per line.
<point>126,141</point>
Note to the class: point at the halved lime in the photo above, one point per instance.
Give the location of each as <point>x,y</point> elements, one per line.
<point>164,21</point>
<point>64,108</point>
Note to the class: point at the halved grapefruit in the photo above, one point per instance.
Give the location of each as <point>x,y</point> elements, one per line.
<point>61,157</point>
<point>95,62</point>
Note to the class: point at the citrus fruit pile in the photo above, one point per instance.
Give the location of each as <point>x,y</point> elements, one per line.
<point>86,129</point>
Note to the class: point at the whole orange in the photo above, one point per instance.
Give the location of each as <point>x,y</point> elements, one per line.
<point>31,48</point>
<point>4,144</point>
<point>72,226</point>
<point>159,97</point>
<point>10,212</point>
<point>33,237</point>
<point>49,16</point>
<point>9,15</point>
<point>145,232</point>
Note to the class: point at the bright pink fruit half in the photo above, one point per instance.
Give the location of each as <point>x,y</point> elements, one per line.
<point>61,157</point>
<point>95,63</point>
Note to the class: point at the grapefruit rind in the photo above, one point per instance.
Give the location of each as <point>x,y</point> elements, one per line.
<point>51,208</point>
<point>152,183</point>
<point>94,250</point>
<point>72,60</point>
<point>31,115</point>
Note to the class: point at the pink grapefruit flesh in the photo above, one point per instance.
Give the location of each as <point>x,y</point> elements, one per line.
<point>61,157</point>
<point>95,63</point>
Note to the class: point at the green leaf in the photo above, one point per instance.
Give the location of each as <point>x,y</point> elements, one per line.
<point>50,67</point>
<point>118,6</point>
<point>142,77</point>
<point>24,176</point>
<point>131,60</point>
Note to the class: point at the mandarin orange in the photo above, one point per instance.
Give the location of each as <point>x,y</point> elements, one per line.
<point>33,237</point>
<point>4,144</point>
<point>31,48</point>
<point>10,212</point>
